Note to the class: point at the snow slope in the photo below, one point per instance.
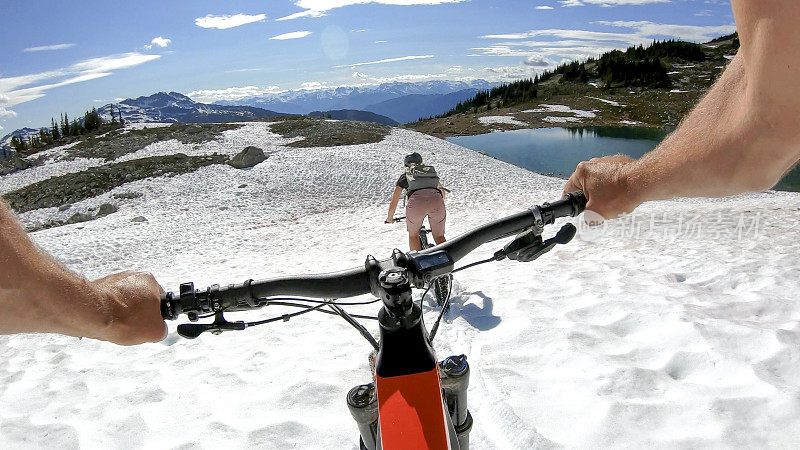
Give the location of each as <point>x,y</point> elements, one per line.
<point>667,330</point>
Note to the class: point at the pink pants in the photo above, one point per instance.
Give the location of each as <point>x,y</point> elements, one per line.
<point>426,202</point>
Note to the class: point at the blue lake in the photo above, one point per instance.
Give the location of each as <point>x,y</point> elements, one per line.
<point>556,151</point>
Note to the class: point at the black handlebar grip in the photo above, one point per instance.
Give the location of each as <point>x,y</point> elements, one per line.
<point>579,202</point>
<point>168,307</point>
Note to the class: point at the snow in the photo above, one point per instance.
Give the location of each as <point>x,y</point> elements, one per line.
<point>630,122</point>
<point>559,119</point>
<point>489,120</point>
<point>678,91</point>
<point>578,114</point>
<point>665,329</point>
<point>610,102</point>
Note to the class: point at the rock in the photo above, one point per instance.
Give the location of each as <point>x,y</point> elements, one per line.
<point>106,209</point>
<point>64,207</point>
<point>79,217</point>
<point>241,186</point>
<point>139,219</point>
<point>248,157</point>
<point>127,195</point>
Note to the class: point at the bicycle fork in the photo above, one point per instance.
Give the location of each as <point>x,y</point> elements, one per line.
<point>453,371</point>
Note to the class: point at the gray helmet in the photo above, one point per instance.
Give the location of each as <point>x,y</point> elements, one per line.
<point>414,158</point>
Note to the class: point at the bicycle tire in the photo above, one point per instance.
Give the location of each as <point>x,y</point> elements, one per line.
<point>441,289</point>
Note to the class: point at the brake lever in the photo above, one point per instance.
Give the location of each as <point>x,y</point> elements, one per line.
<point>529,245</point>
<point>220,324</point>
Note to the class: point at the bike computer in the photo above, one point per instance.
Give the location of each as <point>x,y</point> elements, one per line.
<point>431,265</point>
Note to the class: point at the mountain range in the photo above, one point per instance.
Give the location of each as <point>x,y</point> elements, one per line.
<point>401,101</point>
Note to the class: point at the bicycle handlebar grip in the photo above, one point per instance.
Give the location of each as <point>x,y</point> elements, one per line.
<point>578,200</point>
<point>168,307</point>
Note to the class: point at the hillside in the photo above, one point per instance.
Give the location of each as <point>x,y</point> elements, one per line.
<point>638,87</point>
<point>670,337</point>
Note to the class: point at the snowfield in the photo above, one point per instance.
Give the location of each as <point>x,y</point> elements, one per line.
<point>675,328</point>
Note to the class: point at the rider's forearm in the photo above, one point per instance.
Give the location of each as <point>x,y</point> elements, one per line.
<point>392,208</point>
<point>37,294</point>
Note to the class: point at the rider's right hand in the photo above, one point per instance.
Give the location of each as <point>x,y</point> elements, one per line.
<point>134,304</point>
<point>607,184</point>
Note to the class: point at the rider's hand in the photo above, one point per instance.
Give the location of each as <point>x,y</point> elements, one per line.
<point>134,302</point>
<point>606,182</point>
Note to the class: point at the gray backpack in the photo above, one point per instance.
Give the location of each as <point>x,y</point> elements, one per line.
<point>421,176</point>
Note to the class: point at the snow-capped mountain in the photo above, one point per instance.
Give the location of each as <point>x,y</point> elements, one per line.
<point>175,107</point>
<point>303,101</point>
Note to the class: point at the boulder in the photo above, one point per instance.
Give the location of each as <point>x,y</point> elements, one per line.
<point>248,157</point>
<point>106,209</point>
<point>139,219</point>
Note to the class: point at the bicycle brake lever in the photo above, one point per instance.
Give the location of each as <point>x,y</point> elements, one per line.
<point>193,330</point>
<point>529,246</point>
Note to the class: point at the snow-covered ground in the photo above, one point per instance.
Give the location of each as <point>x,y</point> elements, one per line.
<point>489,120</point>
<point>674,328</point>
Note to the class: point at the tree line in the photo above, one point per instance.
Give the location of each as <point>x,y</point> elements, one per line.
<point>65,131</point>
<point>637,66</point>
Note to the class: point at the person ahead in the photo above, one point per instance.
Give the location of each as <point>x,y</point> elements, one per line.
<point>425,199</point>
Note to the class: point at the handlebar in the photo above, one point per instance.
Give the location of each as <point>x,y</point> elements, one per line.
<point>252,294</point>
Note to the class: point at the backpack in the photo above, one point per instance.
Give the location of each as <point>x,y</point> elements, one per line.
<point>421,176</point>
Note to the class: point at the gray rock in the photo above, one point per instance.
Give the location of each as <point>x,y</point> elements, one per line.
<point>242,186</point>
<point>79,217</point>
<point>139,219</point>
<point>106,209</point>
<point>248,157</point>
<point>64,207</point>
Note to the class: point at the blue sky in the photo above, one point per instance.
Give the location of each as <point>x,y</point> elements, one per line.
<point>59,56</point>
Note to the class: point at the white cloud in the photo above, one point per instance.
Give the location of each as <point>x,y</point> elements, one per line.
<point>4,99</point>
<point>232,93</point>
<point>583,44</point>
<point>381,61</point>
<point>158,42</point>
<point>1,127</point>
<point>248,69</point>
<point>567,3</point>
<point>224,22</point>
<point>544,7</point>
<point>48,47</point>
<point>7,113</point>
<point>537,61</point>
<point>380,42</point>
<point>14,89</point>
<point>686,32</point>
<point>359,75</point>
<point>292,35</point>
<point>312,85</point>
<point>318,8</point>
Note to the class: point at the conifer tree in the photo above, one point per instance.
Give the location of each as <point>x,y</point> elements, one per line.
<point>54,130</point>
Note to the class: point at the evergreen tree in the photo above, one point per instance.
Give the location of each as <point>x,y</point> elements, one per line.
<point>54,130</point>
<point>113,118</point>
<point>121,121</point>
<point>65,131</point>
<point>18,145</point>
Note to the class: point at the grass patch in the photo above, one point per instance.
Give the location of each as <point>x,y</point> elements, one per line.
<point>74,187</point>
<point>325,133</point>
<point>116,143</point>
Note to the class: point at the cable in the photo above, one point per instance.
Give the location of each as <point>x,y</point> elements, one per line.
<point>493,258</point>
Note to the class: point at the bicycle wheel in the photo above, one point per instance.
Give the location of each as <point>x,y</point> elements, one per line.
<point>423,239</point>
